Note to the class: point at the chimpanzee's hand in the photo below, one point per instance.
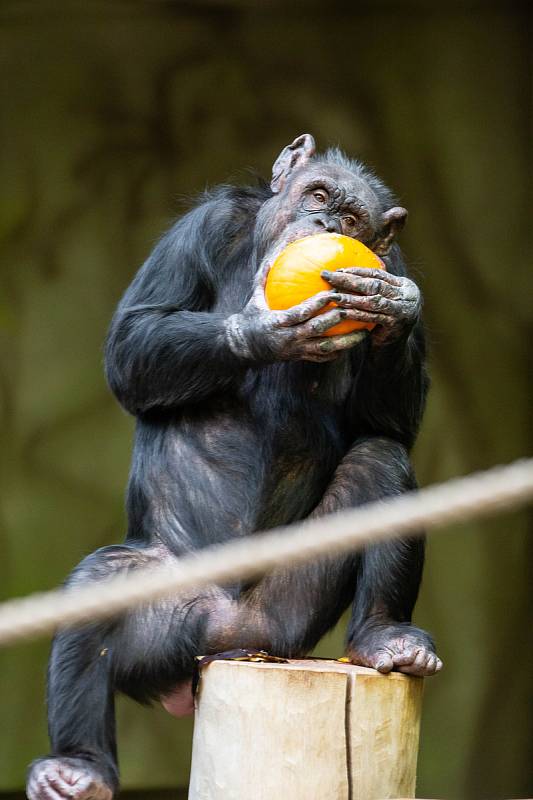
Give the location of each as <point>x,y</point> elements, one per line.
<point>393,303</point>
<point>263,335</point>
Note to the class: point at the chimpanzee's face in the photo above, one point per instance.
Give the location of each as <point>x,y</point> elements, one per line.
<point>319,198</point>
<point>330,198</point>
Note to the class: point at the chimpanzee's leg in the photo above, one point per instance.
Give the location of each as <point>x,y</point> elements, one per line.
<point>290,609</point>
<point>380,633</point>
<point>142,653</point>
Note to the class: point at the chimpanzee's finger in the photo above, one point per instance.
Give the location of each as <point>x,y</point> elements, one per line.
<point>360,284</point>
<point>258,296</point>
<point>375,303</point>
<point>331,344</point>
<point>321,359</point>
<point>360,315</point>
<point>260,280</point>
<point>393,286</point>
<point>317,326</point>
<point>262,273</point>
<point>308,308</point>
<point>382,274</point>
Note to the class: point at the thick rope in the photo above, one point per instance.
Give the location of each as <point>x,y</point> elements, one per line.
<point>479,495</point>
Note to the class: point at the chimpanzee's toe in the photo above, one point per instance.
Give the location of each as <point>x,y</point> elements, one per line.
<point>402,648</point>
<point>422,663</point>
<point>66,779</point>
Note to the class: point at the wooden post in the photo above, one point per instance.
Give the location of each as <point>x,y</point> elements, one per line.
<point>306,730</point>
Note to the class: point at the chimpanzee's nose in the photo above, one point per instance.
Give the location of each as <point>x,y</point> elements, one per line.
<point>326,222</point>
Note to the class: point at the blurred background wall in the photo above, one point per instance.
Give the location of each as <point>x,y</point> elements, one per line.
<point>112,113</point>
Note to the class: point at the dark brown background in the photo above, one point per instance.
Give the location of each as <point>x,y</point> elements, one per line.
<point>112,111</point>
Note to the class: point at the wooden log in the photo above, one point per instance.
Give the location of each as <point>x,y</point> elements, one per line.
<point>305,730</point>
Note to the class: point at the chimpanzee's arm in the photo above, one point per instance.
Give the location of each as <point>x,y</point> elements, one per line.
<point>390,392</point>
<point>171,344</point>
<point>166,346</point>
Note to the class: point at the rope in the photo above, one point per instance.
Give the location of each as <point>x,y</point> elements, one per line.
<point>479,495</point>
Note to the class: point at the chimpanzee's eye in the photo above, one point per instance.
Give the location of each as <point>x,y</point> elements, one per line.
<point>320,196</point>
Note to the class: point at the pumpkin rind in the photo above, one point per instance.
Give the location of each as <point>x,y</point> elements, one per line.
<point>295,274</point>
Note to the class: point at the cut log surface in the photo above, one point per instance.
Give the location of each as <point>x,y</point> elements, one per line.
<point>306,730</point>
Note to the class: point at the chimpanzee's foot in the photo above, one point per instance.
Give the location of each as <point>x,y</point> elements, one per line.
<point>403,648</point>
<point>61,778</point>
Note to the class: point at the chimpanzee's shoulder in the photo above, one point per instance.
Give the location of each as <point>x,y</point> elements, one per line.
<point>226,212</point>
<point>238,199</point>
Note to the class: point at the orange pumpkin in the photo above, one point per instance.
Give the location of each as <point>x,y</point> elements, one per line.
<point>295,274</point>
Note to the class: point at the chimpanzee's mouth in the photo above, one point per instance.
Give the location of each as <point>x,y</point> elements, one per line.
<point>296,235</point>
<point>292,236</point>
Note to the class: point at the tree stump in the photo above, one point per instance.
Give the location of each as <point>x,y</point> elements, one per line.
<point>305,730</point>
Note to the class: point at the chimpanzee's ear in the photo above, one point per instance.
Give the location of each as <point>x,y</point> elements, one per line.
<point>392,221</point>
<point>294,155</point>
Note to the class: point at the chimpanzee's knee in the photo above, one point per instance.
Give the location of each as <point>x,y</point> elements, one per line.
<point>135,647</point>
<point>385,461</point>
<point>108,561</point>
<point>373,468</point>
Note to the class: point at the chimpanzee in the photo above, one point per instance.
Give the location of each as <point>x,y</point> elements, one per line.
<point>249,418</point>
